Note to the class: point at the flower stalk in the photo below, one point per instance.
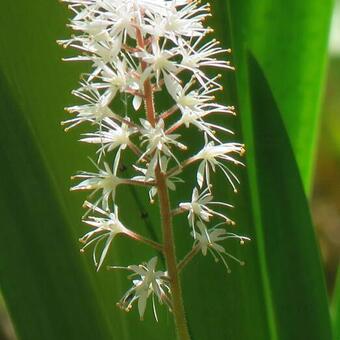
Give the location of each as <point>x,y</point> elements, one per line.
<point>170,257</point>
<point>169,249</point>
<point>187,259</point>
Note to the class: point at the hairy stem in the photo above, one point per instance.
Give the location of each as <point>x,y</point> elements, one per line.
<point>181,166</point>
<point>144,240</point>
<point>168,113</point>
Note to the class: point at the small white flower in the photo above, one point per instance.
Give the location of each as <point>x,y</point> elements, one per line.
<point>198,100</point>
<point>194,57</point>
<point>94,49</point>
<point>186,21</point>
<point>116,77</point>
<point>194,118</point>
<point>105,180</point>
<point>195,105</point>
<point>111,136</point>
<point>158,144</point>
<point>207,240</point>
<point>177,23</point>
<point>170,180</point>
<point>210,156</point>
<point>96,109</point>
<point>96,29</point>
<point>104,228</point>
<point>159,61</point>
<point>149,283</point>
<point>122,17</point>
<point>199,209</point>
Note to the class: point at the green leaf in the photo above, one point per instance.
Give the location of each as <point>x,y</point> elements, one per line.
<point>297,283</point>
<point>42,277</point>
<point>282,288</point>
<point>289,39</point>
<point>249,304</point>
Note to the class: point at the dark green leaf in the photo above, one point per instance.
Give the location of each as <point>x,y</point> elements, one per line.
<point>48,292</point>
<point>292,259</point>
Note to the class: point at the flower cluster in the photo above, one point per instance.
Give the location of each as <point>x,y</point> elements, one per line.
<point>138,50</point>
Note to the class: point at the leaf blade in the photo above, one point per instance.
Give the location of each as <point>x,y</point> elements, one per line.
<point>30,244</point>
<point>280,186</point>
<point>294,58</point>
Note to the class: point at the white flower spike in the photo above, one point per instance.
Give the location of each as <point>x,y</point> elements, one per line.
<point>144,54</point>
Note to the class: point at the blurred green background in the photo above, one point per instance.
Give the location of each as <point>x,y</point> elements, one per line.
<point>325,202</point>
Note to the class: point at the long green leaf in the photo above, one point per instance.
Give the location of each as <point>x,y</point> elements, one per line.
<point>42,277</point>
<point>297,285</point>
<point>269,318</point>
<point>281,289</point>
<point>289,38</point>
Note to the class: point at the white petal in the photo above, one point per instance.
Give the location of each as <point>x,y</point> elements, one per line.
<point>137,101</point>
<point>200,174</point>
<point>142,303</point>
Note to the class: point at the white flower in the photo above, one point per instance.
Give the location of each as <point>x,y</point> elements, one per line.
<point>104,21</point>
<point>116,77</point>
<point>96,109</point>
<point>105,180</point>
<point>158,144</point>
<point>177,23</point>
<point>207,240</point>
<point>186,21</point>
<point>210,155</point>
<point>199,100</point>
<point>104,228</point>
<point>159,61</point>
<point>111,136</point>
<point>196,105</point>
<point>198,207</point>
<point>194,57</point>
<point>170,180</point>
<point>149,283</point>
<point>98,48</point>
<point>95,28</point>
<point>194,118</point>
<point>122,17</point>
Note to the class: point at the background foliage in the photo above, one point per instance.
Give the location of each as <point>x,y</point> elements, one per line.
<point>52,293</point>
